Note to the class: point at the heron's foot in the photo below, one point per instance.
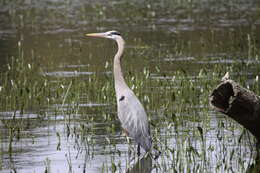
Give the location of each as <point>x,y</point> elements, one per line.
<point>157,154</point>
<point>153,154</point>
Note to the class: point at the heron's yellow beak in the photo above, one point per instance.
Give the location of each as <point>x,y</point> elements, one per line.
<point>96,35</point>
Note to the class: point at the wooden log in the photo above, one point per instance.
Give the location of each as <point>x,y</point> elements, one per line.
<point>238,103</point>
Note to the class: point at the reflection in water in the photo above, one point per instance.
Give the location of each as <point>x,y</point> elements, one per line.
<point>145,165</point>
<point>12,164</point>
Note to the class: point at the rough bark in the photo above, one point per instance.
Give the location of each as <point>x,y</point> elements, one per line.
<point>238,103</point>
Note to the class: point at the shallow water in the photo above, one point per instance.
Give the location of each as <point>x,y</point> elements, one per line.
<point>83,134</point>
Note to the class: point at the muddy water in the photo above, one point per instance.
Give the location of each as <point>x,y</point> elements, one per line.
<point>164,35</point>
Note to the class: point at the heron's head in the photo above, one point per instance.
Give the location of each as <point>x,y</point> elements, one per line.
<point>109,34</point>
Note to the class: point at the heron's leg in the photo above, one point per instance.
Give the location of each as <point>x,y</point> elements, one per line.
<point>130,148</point>
<point>138,150</point>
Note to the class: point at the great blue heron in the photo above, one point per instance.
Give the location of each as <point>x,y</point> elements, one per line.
<point>130,111</point>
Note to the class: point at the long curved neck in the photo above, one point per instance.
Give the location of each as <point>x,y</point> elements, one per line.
<point>120,83</point>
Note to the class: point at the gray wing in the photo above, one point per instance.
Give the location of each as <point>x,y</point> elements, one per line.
<point>134,119</point>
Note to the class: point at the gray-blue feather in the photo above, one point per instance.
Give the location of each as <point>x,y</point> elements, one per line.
<point>134,119</point>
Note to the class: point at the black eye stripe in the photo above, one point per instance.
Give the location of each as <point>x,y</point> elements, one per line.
<point>114,33</point>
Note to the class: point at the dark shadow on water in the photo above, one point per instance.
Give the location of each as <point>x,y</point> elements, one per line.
<point>145,165</point>
<point>254,168</point>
